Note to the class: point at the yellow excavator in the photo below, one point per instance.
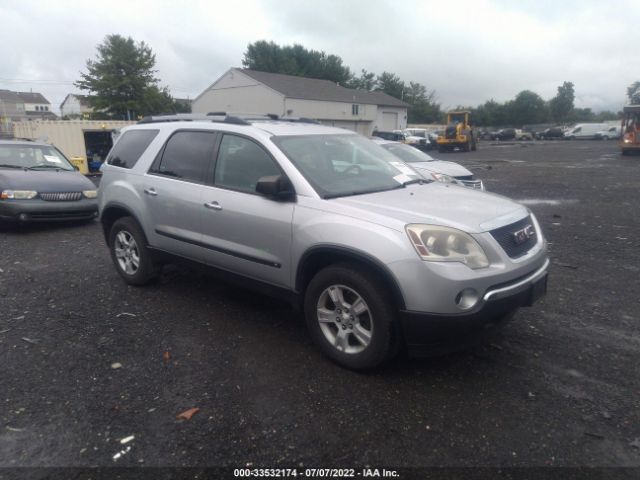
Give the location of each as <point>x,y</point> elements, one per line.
<point>458,133</point>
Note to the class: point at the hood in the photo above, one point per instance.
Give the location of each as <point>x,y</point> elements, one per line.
<point>44,180</point>
<point>469,210</point>
<point>441,166</point>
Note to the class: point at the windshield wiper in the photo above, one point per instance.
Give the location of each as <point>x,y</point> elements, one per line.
<point>359,192</point>
<point>6,165</point>
<point>34,167</point>
<point>415,180</point>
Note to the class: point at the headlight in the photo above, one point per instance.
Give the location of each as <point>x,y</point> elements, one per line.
<point>90,193</point>
<point>18,194</point>
<point>444,244</point>
<point>444,178</point>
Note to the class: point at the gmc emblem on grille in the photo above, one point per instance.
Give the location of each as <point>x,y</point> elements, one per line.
<point>521,236</point>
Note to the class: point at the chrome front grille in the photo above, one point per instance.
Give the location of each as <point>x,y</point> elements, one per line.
<point>514,244</point>
<point>61,196</point>
<point>475,184</point>
<point>469,181</point>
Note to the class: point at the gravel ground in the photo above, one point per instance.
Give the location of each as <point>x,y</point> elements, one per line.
<point>88,361</point>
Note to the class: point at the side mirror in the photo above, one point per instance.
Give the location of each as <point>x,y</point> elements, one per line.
<point>76,168</point>
<point>277,187</point>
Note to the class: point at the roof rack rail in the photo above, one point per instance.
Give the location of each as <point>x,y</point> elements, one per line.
<point>194,117</point>
<point>223,117</point>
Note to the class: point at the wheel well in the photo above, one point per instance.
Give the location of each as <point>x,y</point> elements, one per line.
<point>314,261</point>
<point>109,217</point>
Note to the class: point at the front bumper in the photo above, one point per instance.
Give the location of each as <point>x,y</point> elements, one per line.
<point>431,334</point>
<point>37,210</point>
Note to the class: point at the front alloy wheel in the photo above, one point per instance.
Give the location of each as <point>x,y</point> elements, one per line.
<point>344,319</point>
<point>351,316</point>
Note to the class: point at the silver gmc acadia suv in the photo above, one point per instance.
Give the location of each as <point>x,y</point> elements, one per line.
<point>375,255</point>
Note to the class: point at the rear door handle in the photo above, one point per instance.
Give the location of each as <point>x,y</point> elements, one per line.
<point>213,206</point>
<point>151,191</point>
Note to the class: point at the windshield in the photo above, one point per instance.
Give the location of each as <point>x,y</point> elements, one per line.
<point>341,165</point>
<point>457,118</point>
<point>407,153</point>
<point>33,156</point>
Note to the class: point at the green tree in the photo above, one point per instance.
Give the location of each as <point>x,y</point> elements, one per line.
<point>424,107</point>
<point>633,92</point>
<point>295,60</point>
<point>366,81</point>
<point>607,115</point>
<point>562,104</point>
<point>491,113</point>
<point>581,115</point>
<point>391,84</point>
<point>122,79</point>
<point>527,107</point>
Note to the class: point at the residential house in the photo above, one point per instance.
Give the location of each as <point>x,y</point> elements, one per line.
<point>36,106</point>
<point>76,106</point>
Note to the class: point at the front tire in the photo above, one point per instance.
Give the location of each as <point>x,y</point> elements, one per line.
<point>129,252</point>
<point>351,317</point>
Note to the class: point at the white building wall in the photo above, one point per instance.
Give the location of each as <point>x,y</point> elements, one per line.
<point>329,110</point>
<point>335,114</point>
<point>71,106</point>
<point>31,107</point>
<point>237,93</point>
<point>400,112</point>
<point>249,99</point>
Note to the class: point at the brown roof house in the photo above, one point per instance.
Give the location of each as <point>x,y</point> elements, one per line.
<point>250,91</point>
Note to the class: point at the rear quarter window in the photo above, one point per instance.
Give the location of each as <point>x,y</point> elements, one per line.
<point>130,147</point>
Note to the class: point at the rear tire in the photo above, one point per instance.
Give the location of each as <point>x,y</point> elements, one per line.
<point>351,317</point>
<point>129,252</point>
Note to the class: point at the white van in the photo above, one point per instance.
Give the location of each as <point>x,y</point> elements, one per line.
<point>584,131</point>
<point>613,132</point>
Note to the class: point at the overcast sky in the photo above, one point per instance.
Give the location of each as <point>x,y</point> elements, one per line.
<point>467,51</point>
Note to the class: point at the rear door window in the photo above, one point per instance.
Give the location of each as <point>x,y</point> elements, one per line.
<point>187,156</point>
<point>128,150</point>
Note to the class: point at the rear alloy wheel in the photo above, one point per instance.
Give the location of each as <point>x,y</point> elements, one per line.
<point>350,317</point>
<point>129,252</point>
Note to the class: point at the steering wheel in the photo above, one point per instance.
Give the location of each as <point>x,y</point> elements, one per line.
<point>356,168</point>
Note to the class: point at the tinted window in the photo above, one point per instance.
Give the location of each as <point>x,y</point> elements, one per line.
<point>241,163</point>
<point>187,155</point>
<point>130,147</point>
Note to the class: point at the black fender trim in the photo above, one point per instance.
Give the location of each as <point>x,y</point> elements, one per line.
<point>118,206</point>
<point>342,253</point>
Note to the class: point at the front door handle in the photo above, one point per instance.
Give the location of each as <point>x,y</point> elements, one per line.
<point>213,206</point>
<point>151,191</point>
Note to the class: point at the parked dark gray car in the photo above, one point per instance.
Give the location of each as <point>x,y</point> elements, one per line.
<point>38,183</point>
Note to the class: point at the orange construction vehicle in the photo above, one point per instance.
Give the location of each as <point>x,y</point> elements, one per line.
<point>630,140</point>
